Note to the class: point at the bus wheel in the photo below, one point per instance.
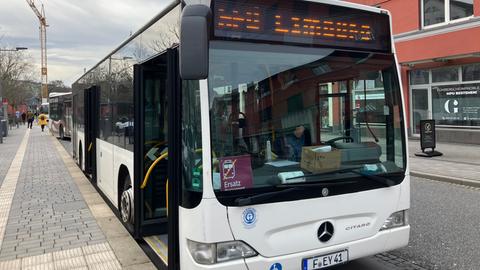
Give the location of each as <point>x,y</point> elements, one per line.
<point>80,156</point>
<point>126,202</point>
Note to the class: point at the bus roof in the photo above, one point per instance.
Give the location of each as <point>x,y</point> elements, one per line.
<point>58,94</point>
<point>174,3</point>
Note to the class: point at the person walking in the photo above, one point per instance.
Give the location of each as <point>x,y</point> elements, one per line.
<point>24,117</point>
<point>42,121</point>
<point>30,118</point>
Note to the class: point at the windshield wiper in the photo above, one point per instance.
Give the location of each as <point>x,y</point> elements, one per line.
<point>376,178</point>
<point>259,198</point>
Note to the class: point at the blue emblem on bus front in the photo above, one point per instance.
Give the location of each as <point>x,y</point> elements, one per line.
<point>276,266</point>
<point>249,217</point>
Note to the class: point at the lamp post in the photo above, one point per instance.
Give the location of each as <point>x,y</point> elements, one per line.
<point>14,50</point>
<point>2,106</point>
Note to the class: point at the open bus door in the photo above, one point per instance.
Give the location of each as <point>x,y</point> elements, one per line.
<point>157,155</point>
<point>91,105</point>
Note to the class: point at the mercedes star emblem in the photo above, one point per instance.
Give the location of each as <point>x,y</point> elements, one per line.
<point>325,232</point>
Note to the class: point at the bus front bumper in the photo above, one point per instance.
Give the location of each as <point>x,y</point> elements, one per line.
<point>381,242</point>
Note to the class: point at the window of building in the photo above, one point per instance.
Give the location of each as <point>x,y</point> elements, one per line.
<point>444,11</point>
<point>471,72</point>
<point>295,103</point>
<point>460,9</point>
<point>419,76</point>
<point>446,74</point>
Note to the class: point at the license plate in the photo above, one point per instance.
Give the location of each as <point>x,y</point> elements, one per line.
<point>324,261</point>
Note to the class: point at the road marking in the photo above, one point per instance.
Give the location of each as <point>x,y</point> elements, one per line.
<point>9,185</point>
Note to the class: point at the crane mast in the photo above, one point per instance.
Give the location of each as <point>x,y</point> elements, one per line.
<point>43,46</point>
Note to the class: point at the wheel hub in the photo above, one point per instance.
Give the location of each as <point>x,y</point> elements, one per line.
<point>126,205</point>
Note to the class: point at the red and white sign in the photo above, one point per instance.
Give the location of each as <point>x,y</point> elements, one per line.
<point>236,173</point>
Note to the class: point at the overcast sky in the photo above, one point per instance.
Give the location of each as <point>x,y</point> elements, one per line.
<point>80,34</point>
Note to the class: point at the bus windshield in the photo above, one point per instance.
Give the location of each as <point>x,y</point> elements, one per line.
<point>284,116</point>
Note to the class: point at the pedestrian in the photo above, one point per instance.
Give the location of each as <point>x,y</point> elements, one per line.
<point>42,121</point>
<point>30,118</point>
<point>24,117</point>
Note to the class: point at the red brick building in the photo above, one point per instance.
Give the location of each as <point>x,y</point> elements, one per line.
<point>438,47</point>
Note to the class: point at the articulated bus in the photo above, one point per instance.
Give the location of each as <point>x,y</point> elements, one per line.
<point>254,134</point>
<point>60,114</point>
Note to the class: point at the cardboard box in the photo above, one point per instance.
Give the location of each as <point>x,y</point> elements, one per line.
<point>317,162</point>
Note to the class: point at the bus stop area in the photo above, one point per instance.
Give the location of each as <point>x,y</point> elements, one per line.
<point>51,217</point>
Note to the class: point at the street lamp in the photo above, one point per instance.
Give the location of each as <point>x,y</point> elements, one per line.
<point>2,107</point>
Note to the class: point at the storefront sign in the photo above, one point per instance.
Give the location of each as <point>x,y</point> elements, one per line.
<point>236,173</point>
<point>427,134</point>
<point>456,104</point>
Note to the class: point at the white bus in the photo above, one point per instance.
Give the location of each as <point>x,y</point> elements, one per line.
<point>60,114</point>
<point>254,134</point>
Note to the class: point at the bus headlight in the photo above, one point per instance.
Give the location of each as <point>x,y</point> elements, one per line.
<point>204,253</point>
<point>396,219</point>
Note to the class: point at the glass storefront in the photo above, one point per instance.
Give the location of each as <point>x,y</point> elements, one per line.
<point>450,95</point>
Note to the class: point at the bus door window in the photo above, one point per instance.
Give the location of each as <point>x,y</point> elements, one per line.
<point>156,143</point>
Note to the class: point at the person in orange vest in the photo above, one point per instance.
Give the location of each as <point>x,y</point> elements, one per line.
<point>42,120</point>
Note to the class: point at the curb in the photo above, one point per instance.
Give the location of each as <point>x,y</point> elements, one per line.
<point>448,179</point>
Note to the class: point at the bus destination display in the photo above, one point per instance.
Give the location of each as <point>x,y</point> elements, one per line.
<point>301,22</point>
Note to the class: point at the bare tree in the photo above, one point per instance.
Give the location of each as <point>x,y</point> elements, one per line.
<point>58,86</point>
<point>166,38</point>
<point>16,71</point>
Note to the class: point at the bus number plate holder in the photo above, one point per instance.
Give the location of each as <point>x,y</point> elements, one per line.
<point>325,261</point>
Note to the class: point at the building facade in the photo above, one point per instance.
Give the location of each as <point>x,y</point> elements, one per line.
<point>438,47</point>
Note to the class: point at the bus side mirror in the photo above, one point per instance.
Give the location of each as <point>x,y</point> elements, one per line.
<point>194,35</point>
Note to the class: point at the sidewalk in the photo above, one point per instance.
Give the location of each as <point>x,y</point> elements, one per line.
<point>459,164</point>
<point>51,217</point>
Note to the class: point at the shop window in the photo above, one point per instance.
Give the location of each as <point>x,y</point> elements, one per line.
<point>446,74</point>
<point>457,104</point>
<point>442,11</point>
<point>419,76</point>
<point>471,72</point>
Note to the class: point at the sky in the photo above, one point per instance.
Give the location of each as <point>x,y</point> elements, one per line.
<point>80,32</point>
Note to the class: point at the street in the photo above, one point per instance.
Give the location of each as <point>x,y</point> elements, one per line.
<point>444,223</point>
<point>444,219</point>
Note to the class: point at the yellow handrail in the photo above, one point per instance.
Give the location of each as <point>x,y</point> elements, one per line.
<point>166,195</point>
<point>147,176</point>
<point>90,147</point>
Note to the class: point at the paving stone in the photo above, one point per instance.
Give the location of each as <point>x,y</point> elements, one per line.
<point>9,149</point>
<point>11,265</point>
<point>70,263</point>
<point>47,212</point>
<point>101,257</point>
<point>110,265</point>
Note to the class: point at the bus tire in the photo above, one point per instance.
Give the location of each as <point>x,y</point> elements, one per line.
<point>80,156</point>
<point>126,201</point>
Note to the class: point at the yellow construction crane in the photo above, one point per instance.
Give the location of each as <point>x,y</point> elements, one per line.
<point>43,46</point>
